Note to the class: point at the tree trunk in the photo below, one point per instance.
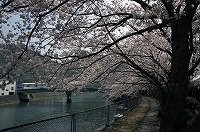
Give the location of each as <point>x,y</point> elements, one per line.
<point>163,99</point>
<point>174,117</point>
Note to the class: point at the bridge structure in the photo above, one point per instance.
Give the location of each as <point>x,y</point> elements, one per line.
<point>69,94</point>
<point>25,93</point>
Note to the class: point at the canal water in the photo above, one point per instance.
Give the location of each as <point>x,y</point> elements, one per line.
<point>22,113</point>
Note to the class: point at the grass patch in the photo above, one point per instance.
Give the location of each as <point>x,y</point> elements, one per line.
<point>130,121</point>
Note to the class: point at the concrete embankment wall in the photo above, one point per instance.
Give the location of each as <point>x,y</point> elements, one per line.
<point>11,99</point>
<point>40,96</point>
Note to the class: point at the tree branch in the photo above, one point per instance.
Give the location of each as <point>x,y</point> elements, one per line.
<point>169,7</point>
<point>6,4</point>
<point>148,29</point>
<point>16,8</point>
<point>56,7</point>
<point>142,71</point>
<point>164,50</point>
<point>25,49</point>
<point>144,5</point>
<point>191,71</point>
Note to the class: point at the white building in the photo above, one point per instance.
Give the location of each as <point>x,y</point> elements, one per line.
<point>7,87</point>
<point>34,86</point>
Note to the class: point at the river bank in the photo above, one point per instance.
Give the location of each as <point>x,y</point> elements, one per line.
<point>12,99</point>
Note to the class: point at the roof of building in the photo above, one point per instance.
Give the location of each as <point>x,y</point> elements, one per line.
<point>34,83</point>
<point>28,83</point>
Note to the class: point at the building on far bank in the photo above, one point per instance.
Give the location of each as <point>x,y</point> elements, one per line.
<point>7,87</point>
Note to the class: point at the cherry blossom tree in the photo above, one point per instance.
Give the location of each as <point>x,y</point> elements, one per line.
<point>156,43</point>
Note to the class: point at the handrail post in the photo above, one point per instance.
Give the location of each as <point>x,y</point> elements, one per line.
<point>132,101</point>
<point>108,116</point>
<point>73,123</point>
<point>123,106</point>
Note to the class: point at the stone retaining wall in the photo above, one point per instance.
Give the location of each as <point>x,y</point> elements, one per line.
<point>11,99</point>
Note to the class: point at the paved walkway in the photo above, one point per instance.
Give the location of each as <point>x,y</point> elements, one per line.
<point>150,122</point>
<point>143,118</point>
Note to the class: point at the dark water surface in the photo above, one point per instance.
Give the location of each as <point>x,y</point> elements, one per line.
<point>17,114</point>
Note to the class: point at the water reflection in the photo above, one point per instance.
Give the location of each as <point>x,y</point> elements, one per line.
<point>23,104</point>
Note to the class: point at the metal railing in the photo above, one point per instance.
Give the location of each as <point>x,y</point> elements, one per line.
<point>85,121</point>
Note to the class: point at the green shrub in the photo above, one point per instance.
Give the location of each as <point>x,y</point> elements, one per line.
<point>192,104</point>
